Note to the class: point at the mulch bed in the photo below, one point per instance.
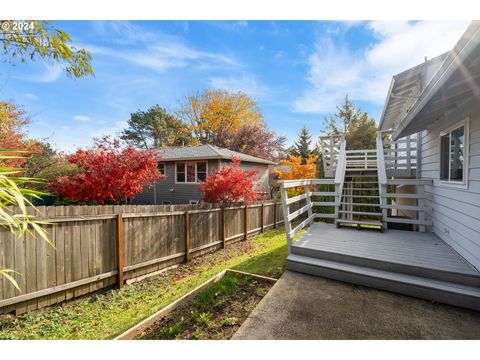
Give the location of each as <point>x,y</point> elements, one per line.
<point>214,314</point>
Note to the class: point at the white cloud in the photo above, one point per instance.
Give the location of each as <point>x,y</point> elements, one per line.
<point>113,130</point>
<point>30,96</point>
<point>335,71</point>
<point>81,118</point>
<point>153,49</point>
<point>51,73</point>
<point>247,84</point>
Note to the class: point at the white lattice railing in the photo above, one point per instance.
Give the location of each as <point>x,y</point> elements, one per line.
<point>330,148</point>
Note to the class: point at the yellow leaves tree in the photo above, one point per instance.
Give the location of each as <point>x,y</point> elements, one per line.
<point>210,112</point>
<point>296,170</point>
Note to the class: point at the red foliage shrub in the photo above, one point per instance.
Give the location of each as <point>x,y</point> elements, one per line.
<point>107,173</point>
<point>229,184</point>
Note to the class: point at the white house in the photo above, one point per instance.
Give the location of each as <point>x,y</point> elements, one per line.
<point>423,176</point>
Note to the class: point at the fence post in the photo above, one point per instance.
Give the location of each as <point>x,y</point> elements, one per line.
<point>120,249</point>
<point>274,214</point>
<point>187,236</point>
<point>262,221</point>
<point>246,221</point>
<point>224,232</point>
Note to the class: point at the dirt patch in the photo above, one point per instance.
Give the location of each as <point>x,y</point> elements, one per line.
<point>215,314</point>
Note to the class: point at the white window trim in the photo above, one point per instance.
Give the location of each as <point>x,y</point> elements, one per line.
<point>466,131</point>
<point>196,182</point>
<point>164,167</point>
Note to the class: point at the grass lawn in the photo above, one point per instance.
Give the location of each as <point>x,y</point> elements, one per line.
<point>107,315</point>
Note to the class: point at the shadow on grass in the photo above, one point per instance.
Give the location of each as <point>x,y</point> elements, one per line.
<point>271,263</point>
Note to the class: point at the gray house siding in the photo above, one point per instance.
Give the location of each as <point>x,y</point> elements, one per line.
<point>456,211</point>
<point>262,178</point>
<point>184,193</point>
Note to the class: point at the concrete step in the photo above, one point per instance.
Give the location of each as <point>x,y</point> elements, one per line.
<point>417,286</point>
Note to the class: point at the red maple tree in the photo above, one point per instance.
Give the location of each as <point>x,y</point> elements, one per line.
<point>229,184</point>
<point>107,173</point>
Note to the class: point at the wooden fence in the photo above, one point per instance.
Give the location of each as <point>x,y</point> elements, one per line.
<point>101,246</point>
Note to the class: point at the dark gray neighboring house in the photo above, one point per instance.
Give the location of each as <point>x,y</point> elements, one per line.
<point>183,166</point>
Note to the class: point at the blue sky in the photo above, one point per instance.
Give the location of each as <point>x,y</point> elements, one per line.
<point>298,71</point>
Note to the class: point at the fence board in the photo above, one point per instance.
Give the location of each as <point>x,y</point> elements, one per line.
<point>84,259</point>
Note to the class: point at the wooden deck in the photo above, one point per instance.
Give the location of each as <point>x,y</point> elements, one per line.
<point>411,263</point>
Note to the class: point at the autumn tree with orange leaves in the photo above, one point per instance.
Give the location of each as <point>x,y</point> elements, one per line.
<point>296,170</point>
<point>12,135</point>
<point>213,110</point>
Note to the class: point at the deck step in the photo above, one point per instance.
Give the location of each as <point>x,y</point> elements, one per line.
<point>417,286</point>
<point>360,204</point>
<point>359,222</point>
<point>361,213</point>
<point>364,196</point>
<point>385,263</point>
<point>361,182</point>
<point>360,189</point>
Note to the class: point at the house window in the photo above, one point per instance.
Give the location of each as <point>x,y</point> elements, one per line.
<point>181,172</point>
<point>454,154</point>
<point>161,168</point>
<point>193,202</point>
<point>164,202</point>
<point>201,171</point>
<point>191,171</point>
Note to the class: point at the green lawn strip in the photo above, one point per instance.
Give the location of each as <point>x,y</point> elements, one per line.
<point>108,315</point>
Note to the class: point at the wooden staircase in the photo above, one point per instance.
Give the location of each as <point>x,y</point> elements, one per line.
<point>360,203</point>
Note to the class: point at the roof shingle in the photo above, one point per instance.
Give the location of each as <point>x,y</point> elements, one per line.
<point>206,151</point>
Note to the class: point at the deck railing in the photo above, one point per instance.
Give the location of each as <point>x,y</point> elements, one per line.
<point>330,148</point>
<point>361,159</point>
<point>306,195</point>
<point>400,156</point>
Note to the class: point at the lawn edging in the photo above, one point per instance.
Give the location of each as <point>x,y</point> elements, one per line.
<point>146,323</point>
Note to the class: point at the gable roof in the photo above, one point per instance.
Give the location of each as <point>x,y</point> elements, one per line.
<point>405,88</point>
<point>437,95</point>
<point>206,151</point>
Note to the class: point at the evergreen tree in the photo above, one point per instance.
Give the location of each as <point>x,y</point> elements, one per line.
<point>345,116</point>
<point>301,147</point>
<point>359,129</point>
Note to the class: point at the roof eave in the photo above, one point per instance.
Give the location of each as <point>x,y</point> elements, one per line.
<point>436,83</point>
<point>387,100</point>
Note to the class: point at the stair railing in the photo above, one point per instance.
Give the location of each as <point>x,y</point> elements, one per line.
<point>340,174</point>
<point>400,156</point>
<point>303,203</point>
<point>330,148</point>
<point>382,177</point>
<point>401,165</point>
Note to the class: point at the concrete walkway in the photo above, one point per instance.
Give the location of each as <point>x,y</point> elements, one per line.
<point>301,306</point>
